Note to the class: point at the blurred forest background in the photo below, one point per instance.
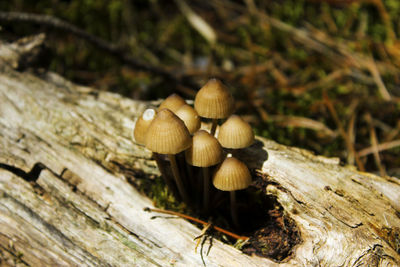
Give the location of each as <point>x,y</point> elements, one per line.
<point>317,74</point>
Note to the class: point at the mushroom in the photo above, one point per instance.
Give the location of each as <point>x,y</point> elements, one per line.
<point>193,123</point>
<point>214,101</point>
<point>167,134</point>
<point>204,152</point>
<point>173,103</point>
<point>232,175</point>
<point>189,117</point>
<point>144,121</point>
<point>235,133</point>
<point>139,134</point>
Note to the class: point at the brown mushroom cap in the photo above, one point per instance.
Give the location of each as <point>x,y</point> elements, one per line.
<point>205,150</point>
<point>142,124</point>
<point>189,117</point>
<point>173,103</point>
<point>235,133</point>
<point>232,175</point>
<point>167,134</point>
<point>213,100</point>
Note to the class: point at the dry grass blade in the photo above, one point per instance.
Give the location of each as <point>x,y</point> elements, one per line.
<point>296,121</point>
<point>378,80</point>
<point>374,143</point>
<point>351,135</point>
<point>379,147</point>
<point>197,22</point>
<point>330,78</point>
<point>349,144</point>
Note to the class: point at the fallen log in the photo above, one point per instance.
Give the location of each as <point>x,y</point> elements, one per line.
<point>66,198</point>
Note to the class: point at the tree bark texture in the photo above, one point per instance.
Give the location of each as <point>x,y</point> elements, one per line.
<point>66,159</point>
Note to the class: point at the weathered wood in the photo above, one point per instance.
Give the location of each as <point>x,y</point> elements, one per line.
<point>66,152</point>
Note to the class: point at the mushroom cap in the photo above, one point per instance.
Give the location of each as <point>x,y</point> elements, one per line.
<point>231,175</point>
<point>142,124</point>
<point>213,100</point>
<point>167,134</point>
<point>189,117</point>
<point>235,133</point>
<point>205,150</point>
<point>173,103</point>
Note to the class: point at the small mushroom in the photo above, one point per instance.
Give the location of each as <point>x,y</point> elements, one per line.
<point>235,133</point>
<point>142,124</point>
<point>204,152</point>
<point>167,134</point>
<point>232,175</point>
<point>189,117</point>
<point>139,135</point>
<point>173,103</point>
<point>214,101</point>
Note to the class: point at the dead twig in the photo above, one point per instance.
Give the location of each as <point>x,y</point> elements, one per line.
<point>190,218</point>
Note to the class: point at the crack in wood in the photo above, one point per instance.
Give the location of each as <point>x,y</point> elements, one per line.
<point>354,226</point>
<point>30,176</point>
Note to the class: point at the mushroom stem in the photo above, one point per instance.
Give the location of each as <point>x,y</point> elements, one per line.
<point>189,173</point>
<point>233,209</point>
<point>178,179</point>
<point>181,162</point>
<point>206,188</point>
<point>191,179</point>
<point>198,184</point>
<point>163,170</point>
<point>214,126</point>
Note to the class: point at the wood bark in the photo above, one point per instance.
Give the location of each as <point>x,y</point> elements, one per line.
<point>66,158</point>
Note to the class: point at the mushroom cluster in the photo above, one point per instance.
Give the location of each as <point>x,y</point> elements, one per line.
<point>174,130</point>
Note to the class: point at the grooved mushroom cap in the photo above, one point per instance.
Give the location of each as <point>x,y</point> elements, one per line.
<point>173,103</point>
<point>142,124</point>
<point>213,100</point>
<point>205,150</point>
<point>167,134</point>
<point>235,133</point>
<point>232,175</point>
<point>189,117</point>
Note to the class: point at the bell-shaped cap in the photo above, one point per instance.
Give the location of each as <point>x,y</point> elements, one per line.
<point>142,124</point>
<point>189,117</point>
<point>205,150</point>
<point>167,134</point>
<point>173,103</point>
<point>235,133</point>
<point>214,101</point>
<point>232,175</point>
